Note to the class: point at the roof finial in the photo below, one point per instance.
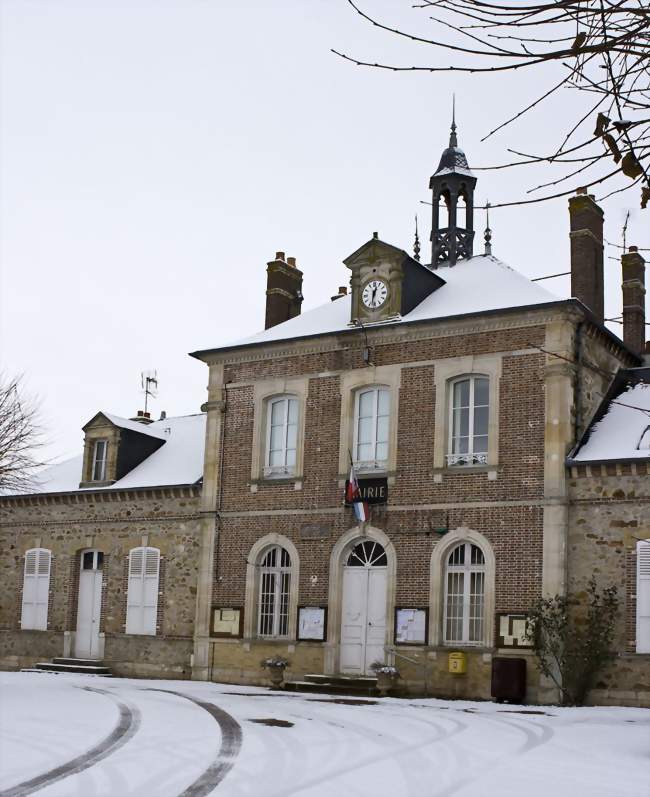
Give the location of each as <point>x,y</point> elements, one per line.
<point>416,245</point>
<point>453,141</point>
<point>488,232</point>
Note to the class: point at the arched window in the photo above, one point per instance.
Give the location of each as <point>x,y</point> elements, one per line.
<point>643,596</point>
<point>36,589</point>
<point>142,594</point>
<point>281,436</point>
<point>464,606</point>
<point>274,590</point>
<point>367,554</point>
<point>371,428</point>
<point>469,419</point>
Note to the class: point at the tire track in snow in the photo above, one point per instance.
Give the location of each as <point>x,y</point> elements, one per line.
<point>532,741</point>
<point>127,724</point>
<point>231,741</point>
<point>397,748</point>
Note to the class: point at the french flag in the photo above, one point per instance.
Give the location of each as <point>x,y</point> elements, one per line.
<point>361,509</point>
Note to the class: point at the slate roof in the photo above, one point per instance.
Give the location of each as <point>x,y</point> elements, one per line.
<point>473,286</point>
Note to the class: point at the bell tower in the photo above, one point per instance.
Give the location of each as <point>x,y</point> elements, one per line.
<point>452,181</point>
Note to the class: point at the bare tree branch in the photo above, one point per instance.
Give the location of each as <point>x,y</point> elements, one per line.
<point>20,437</point>
<point>604,44</point>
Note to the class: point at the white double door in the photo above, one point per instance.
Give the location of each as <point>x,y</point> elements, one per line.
<point>363,621</point>
<point>89,606</point>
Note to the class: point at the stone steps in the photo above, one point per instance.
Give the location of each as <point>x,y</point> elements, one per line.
<point>359,686</point>
<point>77,666</point>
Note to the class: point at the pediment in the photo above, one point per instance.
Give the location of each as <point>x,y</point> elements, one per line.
<point>98,421</point>
<point>374,249</point>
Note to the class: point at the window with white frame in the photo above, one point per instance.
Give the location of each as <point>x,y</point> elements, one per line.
<point>371,428</point>
<point>36,589</point>
<point>281,436</point>
<point>464,605</point>
<point>99,460</point>
<point>643,596</point>
<point>274,586</point>
<point>468,422</point>
<point>142,591</point>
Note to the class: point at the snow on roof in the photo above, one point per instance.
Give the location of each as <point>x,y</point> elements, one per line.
<point>178,461</point>
<point>134,426</point>
<point>472,286</point>
<point>624,431</point>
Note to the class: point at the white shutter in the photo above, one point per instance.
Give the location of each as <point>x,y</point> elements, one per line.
<point>36,589</point>
<point>142,595</point>
<point>643,596</point>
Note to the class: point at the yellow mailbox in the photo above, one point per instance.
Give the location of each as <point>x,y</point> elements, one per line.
<point>458,663</point>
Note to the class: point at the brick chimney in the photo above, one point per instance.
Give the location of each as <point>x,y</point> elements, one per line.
<point>633,300</point>
<point>586,235</point>
<point>283,290</point>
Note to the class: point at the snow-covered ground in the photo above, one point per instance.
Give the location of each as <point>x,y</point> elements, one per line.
<point>63,736</point>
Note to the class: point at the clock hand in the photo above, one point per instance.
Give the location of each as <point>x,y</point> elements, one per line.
<point>374,294</point>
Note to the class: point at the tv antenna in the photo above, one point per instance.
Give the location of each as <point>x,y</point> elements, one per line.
<point>627,218</point>
<point>149,383</point>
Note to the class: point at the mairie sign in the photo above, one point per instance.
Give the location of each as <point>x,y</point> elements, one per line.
<point>373,491</point>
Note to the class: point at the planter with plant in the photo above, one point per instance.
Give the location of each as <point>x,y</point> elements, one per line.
<point>276,667</point>
<point>387,676</point>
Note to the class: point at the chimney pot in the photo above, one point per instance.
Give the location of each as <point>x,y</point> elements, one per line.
<point>633,248</point>
<point>581,190</point>
<point>291,261</point>
<point>163,415</point>
<point>375,235</point>
<point>279,256</point>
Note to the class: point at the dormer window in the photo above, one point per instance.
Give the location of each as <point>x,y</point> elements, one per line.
<point>100,451</point>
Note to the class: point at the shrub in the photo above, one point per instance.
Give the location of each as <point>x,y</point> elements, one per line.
<point>572,637</point>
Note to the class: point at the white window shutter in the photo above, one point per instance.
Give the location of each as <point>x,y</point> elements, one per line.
<point>36,589</point>
<point>150,591</point>
<point>142,595</point>
<point>643,596</point>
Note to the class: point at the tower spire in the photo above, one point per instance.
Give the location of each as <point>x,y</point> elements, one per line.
<point>453,186</point>
<point>453,140</point>
<point>416,245</point>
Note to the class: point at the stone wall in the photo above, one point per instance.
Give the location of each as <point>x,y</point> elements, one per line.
<point>609,513</point>
<point>112,521</point>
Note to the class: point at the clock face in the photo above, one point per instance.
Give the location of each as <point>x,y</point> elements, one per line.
<point>374,294</point>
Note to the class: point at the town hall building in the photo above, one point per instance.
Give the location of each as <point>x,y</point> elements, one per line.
<point>490,427</point>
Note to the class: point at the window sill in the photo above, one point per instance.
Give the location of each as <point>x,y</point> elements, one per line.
<point>91,484</point>
<point>492,471</point>
<point>375,474</point>
<point>266,481</point>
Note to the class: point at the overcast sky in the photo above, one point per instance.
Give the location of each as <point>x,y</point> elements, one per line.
<point>155,155</point>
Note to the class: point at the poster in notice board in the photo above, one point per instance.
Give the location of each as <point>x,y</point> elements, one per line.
<point>312,622</point>
<point>411,626</point>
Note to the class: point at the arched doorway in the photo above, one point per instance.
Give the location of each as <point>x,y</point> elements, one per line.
<point>89,605</point>
<point>363,607</point>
